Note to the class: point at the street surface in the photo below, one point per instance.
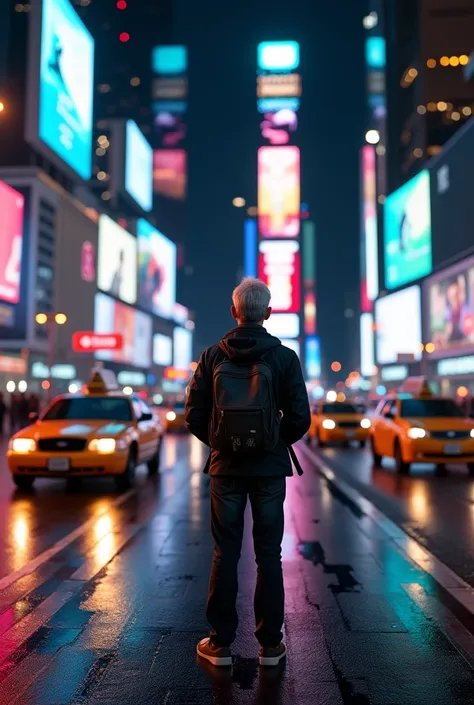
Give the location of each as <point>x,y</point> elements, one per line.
<point>102,595</point>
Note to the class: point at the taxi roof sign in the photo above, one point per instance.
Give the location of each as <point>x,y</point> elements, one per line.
<point>102,381</point>
<point>417,386</point>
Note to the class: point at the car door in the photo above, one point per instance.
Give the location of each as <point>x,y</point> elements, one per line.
<point>381,431</point>
<point>391,428</point>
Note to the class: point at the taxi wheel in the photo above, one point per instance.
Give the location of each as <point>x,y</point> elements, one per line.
<point>470,467</point>
<point>321,443</point>
<point>361,444</point>
<point>23,483</point>
<point>376,457</point>
<point>154,464</point>
<point>126,479</point>
<point>403,468</point>
<point>307,439</point>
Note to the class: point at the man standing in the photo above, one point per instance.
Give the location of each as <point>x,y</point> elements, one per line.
<point>248,401</point>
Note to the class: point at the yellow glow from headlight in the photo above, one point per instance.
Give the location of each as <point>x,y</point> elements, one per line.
<point>415,433</point>
<point>171,416</point>
<point>20,533</point>
<point>329,424</point>
<point>103,526</point>
<point>23,445</point>
<point>365,423</point>
<point>102,445</point>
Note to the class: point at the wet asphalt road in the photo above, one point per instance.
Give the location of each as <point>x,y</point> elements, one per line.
<point>111,613</point>
<point>438,511</point>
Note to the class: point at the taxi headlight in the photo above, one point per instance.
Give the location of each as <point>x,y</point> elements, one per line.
<point>102,445</point>
<point>23,445</point>
<point>415,433</point>
<point>472,432</point>
<point>171,416</point>
<point>366,423</point>
<point>329,424</point>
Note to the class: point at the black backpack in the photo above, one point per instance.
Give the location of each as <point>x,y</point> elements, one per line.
<point>245,419</point>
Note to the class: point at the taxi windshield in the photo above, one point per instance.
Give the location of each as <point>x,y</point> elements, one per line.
<point>90,408</point>
<point>430,408</point>
<point>339,409</point>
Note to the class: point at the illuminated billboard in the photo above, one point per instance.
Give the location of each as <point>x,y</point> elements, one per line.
<point>278,56</point>
<point>367,361</point>
<point>398,326</point>
<point>138,166</point>
<point>250,248</point>
<point>143,329</point>
<point>11,242</point>
<point>279,191</point>
<point>156,270</point>
<point>117,261</point>
<point>407,232</point>
<point>449,314</point>
<point>312,357</point>
<point>280,85</point>
<point>279,268</point>
<point>162,350</point>
<point>61,85</point>
<point>170,172</point>
<point>169,60</point>
<point>182,348</point>
<point>375,53</point>
<point>370,267</point>
<point>110,316</point>
<point>283,325</point>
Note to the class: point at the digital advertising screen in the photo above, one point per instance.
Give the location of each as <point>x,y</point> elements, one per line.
<point>162,350</point>
<point>283,325</point>
<point>278,57</point>
<point>142,339</point>
<point>279,268</point>
<point>156,270</point>
<point>398,326</point>
<point>11,243</point>
<point>370,269</point>
<point>182,348</point>
<point>170,173</point>
<point>449,313</point>
<point>138,166</point>
<point>62,75</point>
<point>407,232</point>
<point>111,316</point>
<point>117,261</point>
<point>312,357</point>
<point>169,60</point>
<point>367,360</point>
<point>279,191</point>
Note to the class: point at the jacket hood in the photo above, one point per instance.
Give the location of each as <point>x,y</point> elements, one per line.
<point>248,342</point>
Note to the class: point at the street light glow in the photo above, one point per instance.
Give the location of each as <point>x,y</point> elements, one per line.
<point>238,202</point>
<point>372,136</point>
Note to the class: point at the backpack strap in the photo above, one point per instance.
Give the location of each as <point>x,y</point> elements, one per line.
<point>295,460</point>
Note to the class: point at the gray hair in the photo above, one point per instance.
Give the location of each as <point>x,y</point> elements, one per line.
<point>251,299</point>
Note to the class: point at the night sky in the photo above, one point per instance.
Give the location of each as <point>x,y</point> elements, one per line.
<point>223,141</point>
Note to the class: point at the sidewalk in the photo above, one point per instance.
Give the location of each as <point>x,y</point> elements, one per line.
<point>363,625</point>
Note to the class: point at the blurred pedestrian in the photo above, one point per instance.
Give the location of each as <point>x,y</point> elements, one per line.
<point>23,410</point>
<point>3,410</point>
<point>248,402</point>
<point>14,412</point>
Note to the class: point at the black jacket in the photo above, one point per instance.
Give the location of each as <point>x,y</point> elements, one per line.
<point>249,342</point>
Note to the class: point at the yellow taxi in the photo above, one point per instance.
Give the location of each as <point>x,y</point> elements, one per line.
<point>338,422</point>
<point>174,419</point>
<point>100,432</point>
<point>421,428</point>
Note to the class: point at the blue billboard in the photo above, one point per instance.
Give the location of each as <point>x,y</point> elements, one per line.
<point>66,86</point>
<point>407,232</point>
<point>138,166</point>
<point>278,56</point>
<point>312,357</point>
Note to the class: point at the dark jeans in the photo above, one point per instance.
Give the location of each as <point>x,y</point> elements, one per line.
<point>228,501</point>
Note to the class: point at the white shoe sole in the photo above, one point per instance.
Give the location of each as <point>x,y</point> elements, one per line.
<point>219,662</point>
<point>271,661</point>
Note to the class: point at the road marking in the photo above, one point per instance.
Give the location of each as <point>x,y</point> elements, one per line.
<point>457,588</point>
<point>61,544</point>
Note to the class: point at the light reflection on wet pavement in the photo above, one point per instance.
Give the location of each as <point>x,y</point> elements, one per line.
<point>113,618</point>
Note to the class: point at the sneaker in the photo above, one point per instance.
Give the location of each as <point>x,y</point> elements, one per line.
<point>217,655</point>
<point>272,656</point>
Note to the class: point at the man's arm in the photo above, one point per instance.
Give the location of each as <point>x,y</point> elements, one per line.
<point>199,401</point>
<point>295,403</point>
